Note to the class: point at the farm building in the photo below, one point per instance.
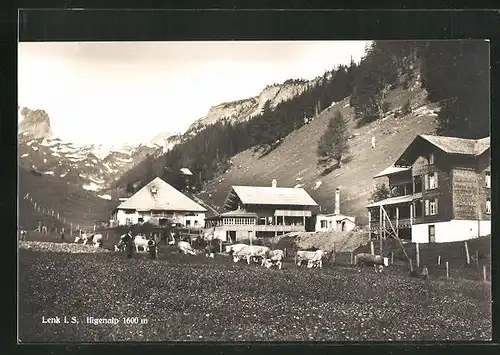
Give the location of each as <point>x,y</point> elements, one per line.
<point>334,221</point>
<point>439,191</point>
<point>161,204</point>
<point>258,211</point>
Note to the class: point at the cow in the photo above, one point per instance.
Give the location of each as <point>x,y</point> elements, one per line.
<point>122,243</point>
<point>273,257</point>
<point>250,252</point>
<point>126,244</point>
<point>313,258</point>
<point>234,248</point>
<point>378,261</point>
<point>140,241</point>
<point>97,240</point>
<point>186,248</point>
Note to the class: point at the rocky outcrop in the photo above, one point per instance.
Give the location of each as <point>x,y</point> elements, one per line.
<point>34,124</point>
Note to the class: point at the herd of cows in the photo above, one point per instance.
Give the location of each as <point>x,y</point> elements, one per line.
<point>250,253</point>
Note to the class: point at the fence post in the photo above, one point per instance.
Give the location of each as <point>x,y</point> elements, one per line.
<point>94,227</point>
<point>447,270</point>
<point>284,252</point>
<point>484,273</point>
<point>467,256</point>
<point>71,231</point>
<point>418,254</point>
<point>372,247</point>
<point>333,253</point>
<point>439,260</point>
<point>411,265</point>
<point>220,245</point>
<point>352,261</point>
<point>477,257</point>
<point>392,257</point>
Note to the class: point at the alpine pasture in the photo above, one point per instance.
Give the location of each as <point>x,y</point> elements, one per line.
<point>192,298</point>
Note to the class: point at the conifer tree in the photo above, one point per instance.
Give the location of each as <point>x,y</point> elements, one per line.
<point>333,144</point>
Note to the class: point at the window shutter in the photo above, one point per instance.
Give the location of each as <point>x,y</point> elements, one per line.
<point>426,181</point>
<point>436,180</point>
<point>436,205</point>
<point>426,207</point>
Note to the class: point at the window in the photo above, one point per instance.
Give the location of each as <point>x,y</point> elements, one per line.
<point>433,181</point>
<point>140,219</point>
<point>488,179</point>
<point>431,158</point>
<point>426,182</point>
<point>323,224</point>
<point>195,223</point>
<point>188,223</point>
<point>431,207</point>
<point>488,206</point>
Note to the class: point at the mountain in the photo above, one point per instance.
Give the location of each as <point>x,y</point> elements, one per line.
<point>243,110</point>
<point>91,166</point>
<point>34,123</point>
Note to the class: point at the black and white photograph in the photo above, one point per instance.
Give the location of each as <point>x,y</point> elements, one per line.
<point>240,191</point>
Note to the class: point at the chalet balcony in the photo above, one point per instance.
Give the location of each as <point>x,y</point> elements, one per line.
<point>400,223</point>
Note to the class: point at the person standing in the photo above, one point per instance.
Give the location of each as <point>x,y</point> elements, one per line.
<point>129,245</point>
<point>62,234</point>
<point>152,247</point>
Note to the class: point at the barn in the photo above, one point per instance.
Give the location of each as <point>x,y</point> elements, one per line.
<point>159,203</point>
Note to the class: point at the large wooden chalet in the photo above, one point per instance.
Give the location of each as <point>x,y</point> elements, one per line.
<point>257,211</point>
<point>439,191</point>
<point>159,203</point>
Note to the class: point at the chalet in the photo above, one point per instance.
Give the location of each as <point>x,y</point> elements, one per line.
<point>257,211</point>
<point>335,221</point>
<point>439,191</point>
<point>161,204</point>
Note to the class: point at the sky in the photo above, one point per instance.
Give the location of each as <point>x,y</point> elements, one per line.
<point>112,93</point>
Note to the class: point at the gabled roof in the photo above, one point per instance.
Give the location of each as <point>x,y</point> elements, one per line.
<point>165,198</point>
<point>395,200</point>
<point>455,145</point>
<point>261,195</point>
<point>392,170</point>
<point>450,145</point>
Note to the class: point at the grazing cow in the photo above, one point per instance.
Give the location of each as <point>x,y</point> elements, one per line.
<point>273,257</point>
<point>250,252</point>
<point>140,241</point>
<point>186,248</point>
<point>371,260</point>
<point>313,258</point>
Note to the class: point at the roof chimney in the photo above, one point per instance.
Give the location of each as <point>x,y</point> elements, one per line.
<point>337,201</point>
<point>274,183</point>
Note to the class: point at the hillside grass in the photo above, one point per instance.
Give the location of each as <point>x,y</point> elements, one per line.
<point>191,298</point>
<point>71,201</point>
<point>294,161</point>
